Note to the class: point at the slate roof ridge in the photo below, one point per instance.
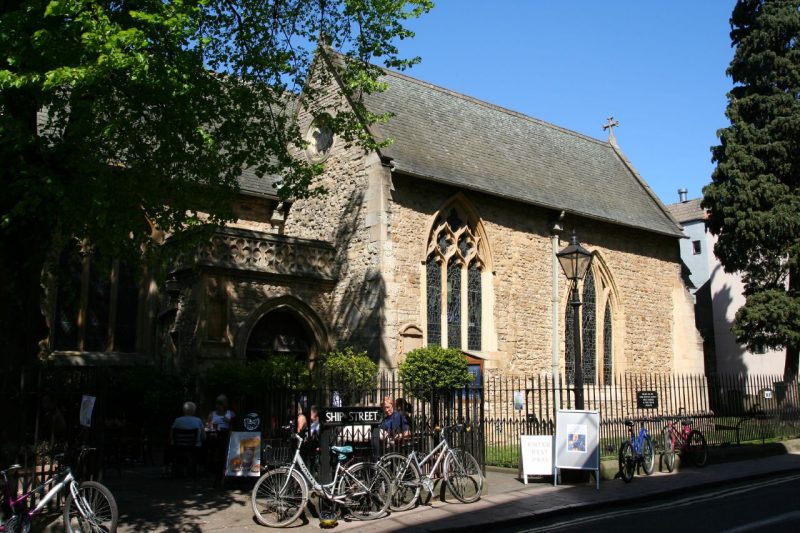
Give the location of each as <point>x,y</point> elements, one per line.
<point>625,161</point>
<point>492,106</point>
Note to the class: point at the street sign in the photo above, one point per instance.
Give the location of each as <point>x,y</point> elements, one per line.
<point>347,416</point>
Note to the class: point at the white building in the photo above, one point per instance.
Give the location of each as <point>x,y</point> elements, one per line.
<point>718,295</point>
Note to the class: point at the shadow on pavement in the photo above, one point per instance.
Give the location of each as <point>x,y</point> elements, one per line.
<point>150,501</point>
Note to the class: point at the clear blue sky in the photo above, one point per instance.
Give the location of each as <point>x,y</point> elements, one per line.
<point>657,67</point>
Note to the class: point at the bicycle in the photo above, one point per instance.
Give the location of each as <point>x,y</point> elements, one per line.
<point>636,451</point>
<point>88,506</point>
<point>692,444</point>
<point>460,471</point>
<point>281,494</point>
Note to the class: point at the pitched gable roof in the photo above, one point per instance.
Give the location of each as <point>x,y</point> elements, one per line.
<point>689,211</point>
<point>447,137</point>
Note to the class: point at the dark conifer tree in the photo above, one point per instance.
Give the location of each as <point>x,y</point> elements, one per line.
<point>754,198</point>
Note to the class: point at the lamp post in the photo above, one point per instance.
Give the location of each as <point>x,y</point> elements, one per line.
<point>575,261</point>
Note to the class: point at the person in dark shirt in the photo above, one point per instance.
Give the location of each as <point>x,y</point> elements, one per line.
<point>394,424</point>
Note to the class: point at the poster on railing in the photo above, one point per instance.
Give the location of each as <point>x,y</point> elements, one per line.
<point>537,455</point>
<point>578,440</point>
<point>244,454</point>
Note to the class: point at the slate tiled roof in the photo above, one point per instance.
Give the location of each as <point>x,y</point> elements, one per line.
<point>689,211</point>
<point>451,138</point>
<point>249,183</point>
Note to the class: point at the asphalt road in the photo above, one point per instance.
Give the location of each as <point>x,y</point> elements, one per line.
<point>768,504</point>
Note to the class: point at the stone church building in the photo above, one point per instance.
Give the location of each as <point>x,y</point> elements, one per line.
<point>443,237</point>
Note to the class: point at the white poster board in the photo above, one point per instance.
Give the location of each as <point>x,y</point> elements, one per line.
<point>537,455</point>
<point>578,440</point>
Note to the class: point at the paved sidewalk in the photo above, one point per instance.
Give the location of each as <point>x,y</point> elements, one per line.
<point>148,502</point>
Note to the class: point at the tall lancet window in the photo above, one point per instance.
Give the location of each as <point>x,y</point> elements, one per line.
<point>589,331</point>
<point>596,339</point>
<point>608,367</point>
<point>453,270</point>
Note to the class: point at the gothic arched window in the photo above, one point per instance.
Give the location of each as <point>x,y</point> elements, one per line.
<point>607,346</point>
<point>594,283</point>
<point>453,269</point>
<point>588,310</point>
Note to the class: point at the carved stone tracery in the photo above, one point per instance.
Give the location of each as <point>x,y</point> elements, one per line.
<point>268,253</point>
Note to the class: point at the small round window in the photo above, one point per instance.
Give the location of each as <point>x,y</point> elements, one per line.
<point>320,139</point>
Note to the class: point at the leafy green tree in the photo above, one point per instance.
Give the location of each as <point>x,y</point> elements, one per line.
<point>754,200</point>
<point>434,368</point>
<point>349,372</point>
<point>119,116</point>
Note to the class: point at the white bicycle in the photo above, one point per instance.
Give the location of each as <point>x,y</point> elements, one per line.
<point>88,506</point>
<point>281,495</point>
<point>459,469</point>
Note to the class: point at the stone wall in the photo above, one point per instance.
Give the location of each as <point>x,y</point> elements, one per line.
<point>643,267</point>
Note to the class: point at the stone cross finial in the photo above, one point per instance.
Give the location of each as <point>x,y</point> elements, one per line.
<point>610,127</point>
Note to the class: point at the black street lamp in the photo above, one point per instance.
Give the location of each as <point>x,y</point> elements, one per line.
<point>575,261</point>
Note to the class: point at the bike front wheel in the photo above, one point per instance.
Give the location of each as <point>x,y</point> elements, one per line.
<point>648,456</point>
<point>627,465</point>
<point>279,497</point>
<point>405,480</point>
<point>463,476</point>
<point>668,457</point>
<point>367,491</point>
<point>697,448</point>
<point>96,509</point>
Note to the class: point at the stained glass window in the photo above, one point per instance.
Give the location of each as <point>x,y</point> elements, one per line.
<point>68,300</point>
<point>589,329</point>
<point>127,309</point>
<point>98,307</point>
<point>453,242</point>
<point>474,303</point>
<point>434,290</point>
<point>453,304</point>
<point>608,368</point>
<point>569,340</point>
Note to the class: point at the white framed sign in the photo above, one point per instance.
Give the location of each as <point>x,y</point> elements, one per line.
<point>537,455</point>
<point>578,440</point>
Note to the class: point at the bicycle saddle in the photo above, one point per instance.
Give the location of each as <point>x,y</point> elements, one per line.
<point>343,451</point>
<point>629,422</point>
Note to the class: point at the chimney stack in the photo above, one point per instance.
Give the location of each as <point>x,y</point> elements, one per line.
<point>682,193</point>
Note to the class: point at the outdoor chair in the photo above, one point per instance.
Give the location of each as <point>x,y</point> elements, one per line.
<point>184,451</point>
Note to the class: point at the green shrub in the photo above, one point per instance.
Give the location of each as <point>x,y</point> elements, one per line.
<point>349,372</point>
<point>250,377</point>
<point>434,368</point>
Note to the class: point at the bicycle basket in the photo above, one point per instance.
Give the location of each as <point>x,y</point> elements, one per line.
<point>274,455</point>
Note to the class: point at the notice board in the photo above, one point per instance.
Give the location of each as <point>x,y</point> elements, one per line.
<point>537,455</point>
<point>578,440</point>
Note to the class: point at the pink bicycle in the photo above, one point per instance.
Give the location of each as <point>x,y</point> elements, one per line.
<point>691,442</point>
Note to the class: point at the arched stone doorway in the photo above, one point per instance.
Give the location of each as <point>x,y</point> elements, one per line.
<point>284,325</point>
<point>280,332</point>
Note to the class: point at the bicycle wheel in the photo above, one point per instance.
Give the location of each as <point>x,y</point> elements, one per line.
<point>668,456</point>
<point>697,448</point>
<point>367,490</point>
<point>279,498</point>
<point>463,476</point>
<point>626,463</point>
<point>95,511</point>
<point>648,456</point>
<point>405,481</point>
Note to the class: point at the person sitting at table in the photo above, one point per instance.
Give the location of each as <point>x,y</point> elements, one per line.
<point>186,422</point>
<point>189,421</point>
<point>220,418</point>
<point>394,424</point>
